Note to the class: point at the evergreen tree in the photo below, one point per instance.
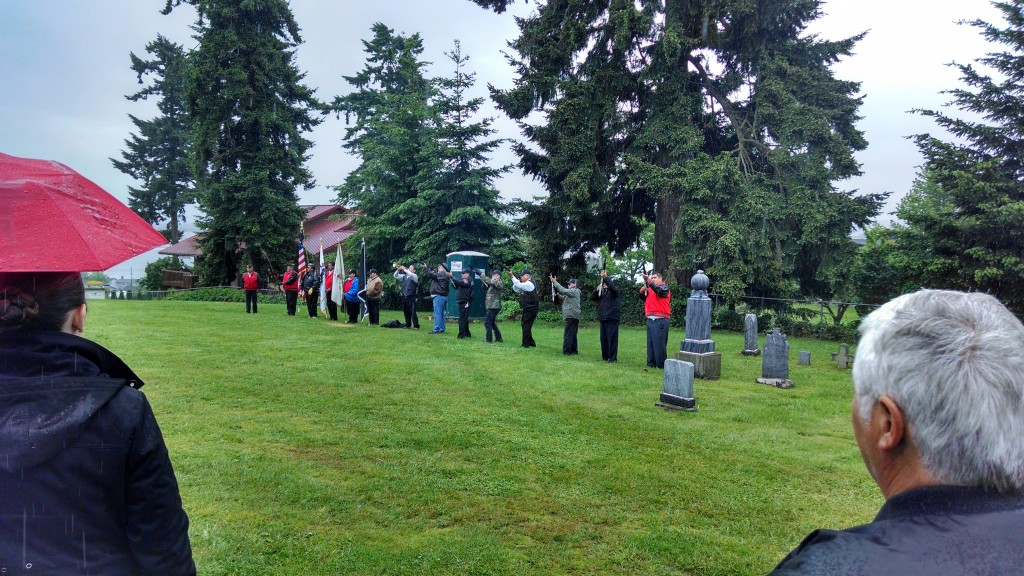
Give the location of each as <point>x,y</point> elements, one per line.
<point>250,112</point>
<point>721,122</point>
<point>458,202</point>
<point>158,155</point>
<point>390,130</point>
<point>971,216</point>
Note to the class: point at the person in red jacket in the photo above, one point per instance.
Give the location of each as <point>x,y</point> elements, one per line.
<point>658,310</point>
<point>290,285</point>
<point>251,285</point>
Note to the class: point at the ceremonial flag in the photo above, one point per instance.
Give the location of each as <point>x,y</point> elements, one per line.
<point>366,279</point>
<point>302,259</point>
<point>323,280</point>
<point>338,290</point>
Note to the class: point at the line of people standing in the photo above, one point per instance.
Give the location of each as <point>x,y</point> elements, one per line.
<point>607,296</point>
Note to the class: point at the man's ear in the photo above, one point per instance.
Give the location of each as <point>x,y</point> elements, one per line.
<point>77,319</point>
<point>892,423</point>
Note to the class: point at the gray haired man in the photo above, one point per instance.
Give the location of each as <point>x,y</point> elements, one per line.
<point>938,414</point>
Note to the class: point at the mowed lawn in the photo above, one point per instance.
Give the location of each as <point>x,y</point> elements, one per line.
<point>305,447</point>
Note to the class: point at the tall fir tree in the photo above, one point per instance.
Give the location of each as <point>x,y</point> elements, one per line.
<point>390,130</point>
<point>157,155</point>
<point>971,215</point>
<point>250,112</point>
<point>721,122</point>
<point>459,205</point>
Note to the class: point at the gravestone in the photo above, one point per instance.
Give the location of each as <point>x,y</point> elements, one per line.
<point>804,359</point>
<point>677,391</point>
<point>698,348</point>
<point>843,358</point>
<point>775,361</point>
<point>750,336</point>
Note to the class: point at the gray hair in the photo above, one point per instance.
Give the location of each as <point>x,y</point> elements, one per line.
<point>954,363</point>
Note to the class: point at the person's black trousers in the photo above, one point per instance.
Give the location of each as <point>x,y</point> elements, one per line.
<point>464,320</point>
<point>373,310</point>
<point>657,342</point>
<point>251,296</point>
<point>312,300</point>
<point>332,308</point>
<point>409,307</point>
<point>529,316</point>
<point>572,326</point>
<point>291,298</point>
<point>610,340</point>
<point>352,308</point>
<point>491,324</point>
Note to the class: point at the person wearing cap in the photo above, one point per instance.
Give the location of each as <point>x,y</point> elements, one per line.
<point>410,283</point>
<point>87,482</point>
<point>290,286</point>
<point>374,289</point>
<point>570,313</point>
<point>311,289</point>
<point>351,296</point>
<point>609,308</point>
<point>464,297</point>
<point>251,285</point>
<point>658,310</point>
<point>492,301</point>
<point>328,285</point>
<point>529,302</point>
<point>439,296</point>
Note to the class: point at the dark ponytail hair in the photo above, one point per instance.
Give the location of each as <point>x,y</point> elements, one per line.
<point>38,300</point>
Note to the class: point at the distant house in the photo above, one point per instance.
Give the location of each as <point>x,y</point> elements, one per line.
<point>327,223</point>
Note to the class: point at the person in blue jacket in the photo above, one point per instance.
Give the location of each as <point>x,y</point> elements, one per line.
<point>351,295</point>
<point>86,483</point>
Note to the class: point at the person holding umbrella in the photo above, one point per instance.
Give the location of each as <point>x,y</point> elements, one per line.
<point>86,477</point>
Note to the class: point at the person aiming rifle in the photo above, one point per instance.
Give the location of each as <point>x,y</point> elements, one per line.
<point>529,301</point>
<point>409,281</point>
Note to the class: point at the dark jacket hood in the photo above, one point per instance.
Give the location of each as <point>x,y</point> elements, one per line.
<point>51,386</point>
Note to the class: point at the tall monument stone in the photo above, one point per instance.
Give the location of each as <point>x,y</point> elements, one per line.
<point>750,336</point>
<point>698,348</point>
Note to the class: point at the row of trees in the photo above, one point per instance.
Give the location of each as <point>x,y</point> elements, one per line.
<point>721,123</point>
<point>962,225</point>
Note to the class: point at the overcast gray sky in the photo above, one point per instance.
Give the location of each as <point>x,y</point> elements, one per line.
<point>65,71</point>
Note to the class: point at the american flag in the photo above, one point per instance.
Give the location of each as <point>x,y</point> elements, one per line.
<point>302,259</point>
<point>302,252</point>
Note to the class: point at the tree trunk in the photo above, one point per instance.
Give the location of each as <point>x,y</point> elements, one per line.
<point>666,214</point>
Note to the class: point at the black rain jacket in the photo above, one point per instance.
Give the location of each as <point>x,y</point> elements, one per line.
<point>86,484</point>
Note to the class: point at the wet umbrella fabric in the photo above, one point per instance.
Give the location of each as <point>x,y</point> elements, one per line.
<point>53,219</point>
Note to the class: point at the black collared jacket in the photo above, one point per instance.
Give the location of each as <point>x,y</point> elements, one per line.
<point>933,531</point>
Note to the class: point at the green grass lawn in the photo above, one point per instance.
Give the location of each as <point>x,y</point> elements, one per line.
<point>303,447</point>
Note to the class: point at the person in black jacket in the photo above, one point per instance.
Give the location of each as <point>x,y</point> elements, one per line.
<point>464,296</point>
<point>311,289</point>
<point>86,483</point>
<point>609,307</point>
<point>938,414</point>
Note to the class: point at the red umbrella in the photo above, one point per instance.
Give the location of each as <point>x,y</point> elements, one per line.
<point>53,219</point>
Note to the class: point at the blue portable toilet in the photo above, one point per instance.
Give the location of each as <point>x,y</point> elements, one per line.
<point>478,264</point>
